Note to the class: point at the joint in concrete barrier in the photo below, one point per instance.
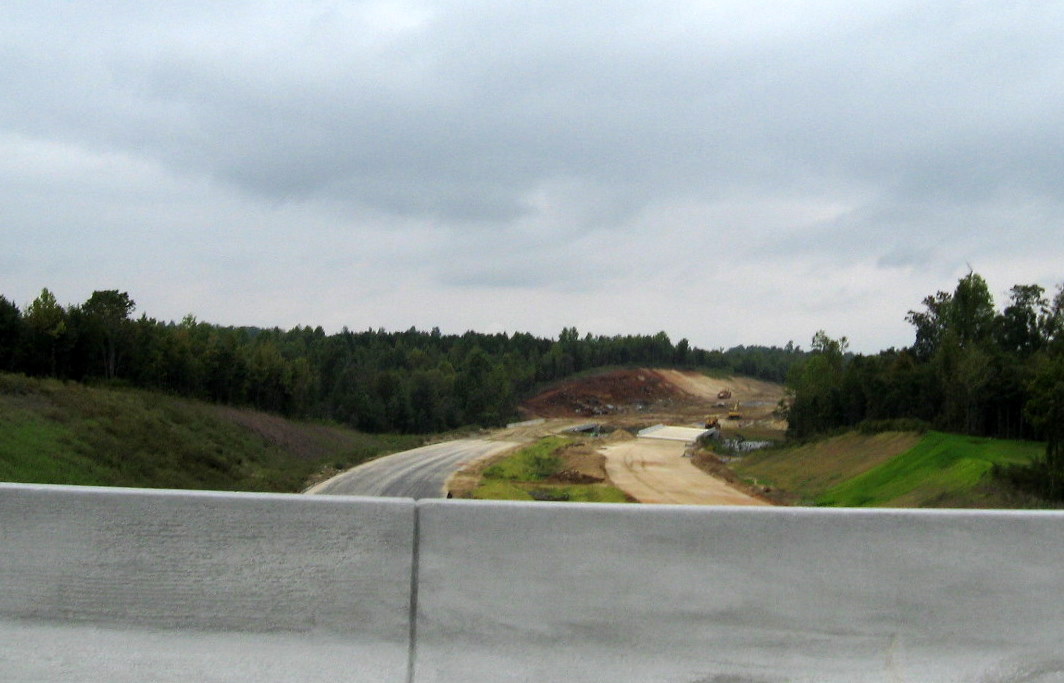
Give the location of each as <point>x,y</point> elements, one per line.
<point>415,563</point>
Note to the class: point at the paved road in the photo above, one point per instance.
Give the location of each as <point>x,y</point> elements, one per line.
<point>419,473</point>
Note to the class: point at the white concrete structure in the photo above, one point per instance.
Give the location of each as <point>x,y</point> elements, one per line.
<point>104,584</point>
<point>134,585</point>
<point>648,593</point>
<point>669,433</point>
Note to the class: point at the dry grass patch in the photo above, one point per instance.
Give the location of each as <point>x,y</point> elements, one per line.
<point>808,470</point>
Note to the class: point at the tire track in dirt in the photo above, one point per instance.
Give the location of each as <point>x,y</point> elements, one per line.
<point>655,471</point>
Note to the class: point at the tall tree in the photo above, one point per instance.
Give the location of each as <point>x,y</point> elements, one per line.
<point>971,313</point>
<point>930,324</point>
<point>107,315</point>
<point>10,332</point>
<point>1022,327</point>
<point>46,322</point>
<point>1046,412</point>
<point>815,387</point>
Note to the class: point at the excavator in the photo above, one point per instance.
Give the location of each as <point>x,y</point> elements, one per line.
<point>735,413</point>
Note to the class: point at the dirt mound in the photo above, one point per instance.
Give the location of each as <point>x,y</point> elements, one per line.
<point>583,464</point>
<point>611,393</point>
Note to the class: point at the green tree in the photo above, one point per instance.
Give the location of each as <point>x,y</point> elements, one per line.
<point>47,323</point>
<point>815,388</point>
<point>1045,410</point>
<point>971,313</point>
<point>930,324</point>
<point>10,333</point>
<point>1022,327</point>
<point>1053,325</point>
<point>107,316</point>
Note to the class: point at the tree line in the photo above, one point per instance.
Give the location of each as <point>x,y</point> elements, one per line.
<point>374,380</point>
<point>972,369</point>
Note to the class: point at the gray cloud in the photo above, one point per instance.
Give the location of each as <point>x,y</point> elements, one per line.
<point>506,145</point>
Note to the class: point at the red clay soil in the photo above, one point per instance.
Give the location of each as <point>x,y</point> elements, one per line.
<point>611,393</point>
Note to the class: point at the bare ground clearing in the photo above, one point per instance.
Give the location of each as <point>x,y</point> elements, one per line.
<point>656,472</point>
<point>627,400</point>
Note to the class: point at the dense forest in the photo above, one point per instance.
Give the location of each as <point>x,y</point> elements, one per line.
<point>377,381</point>
<point>971,370</point>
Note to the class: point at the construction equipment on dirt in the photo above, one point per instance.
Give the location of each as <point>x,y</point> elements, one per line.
<point>724,393</point>
<point>712,422</point>
<point>735,413</point>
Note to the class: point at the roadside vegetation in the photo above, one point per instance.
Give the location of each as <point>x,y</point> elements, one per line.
<point>57,432</point>
<point>894,469</point>
<point>973,370</point>
<point>537,472</point>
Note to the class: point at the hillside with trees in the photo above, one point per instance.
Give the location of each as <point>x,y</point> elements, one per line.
<point>972,370</point>
<point>374,380</point>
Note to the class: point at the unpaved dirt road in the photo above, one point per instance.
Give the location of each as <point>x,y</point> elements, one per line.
<point>704,387</point>
<point>418,473</point>
<point>655,471</point>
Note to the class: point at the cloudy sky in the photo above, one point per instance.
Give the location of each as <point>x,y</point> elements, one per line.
<point>726,171</point>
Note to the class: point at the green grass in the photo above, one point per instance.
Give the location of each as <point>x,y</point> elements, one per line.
<point>809,469</point>
<point>892,469</point>
<point>937,471</point>
<point>65,433</point>
<point>524,475</point>
<point>532,463</point>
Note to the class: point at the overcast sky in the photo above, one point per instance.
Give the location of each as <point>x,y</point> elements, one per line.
<point>729,172</point>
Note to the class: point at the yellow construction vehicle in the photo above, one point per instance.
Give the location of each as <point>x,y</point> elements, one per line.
<point>735,413</point>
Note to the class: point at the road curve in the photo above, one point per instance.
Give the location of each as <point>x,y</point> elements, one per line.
<point>418,473</point>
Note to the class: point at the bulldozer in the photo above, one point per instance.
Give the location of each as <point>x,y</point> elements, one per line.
<point>724,393</point>
<point>735,413</point>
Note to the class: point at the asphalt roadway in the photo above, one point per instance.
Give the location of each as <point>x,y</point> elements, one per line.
<point>418,473</point>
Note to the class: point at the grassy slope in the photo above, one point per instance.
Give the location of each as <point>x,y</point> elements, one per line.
<point>64,433</point>
<point>810,469</point>
<point>937,472</point>
<point>891,470</point>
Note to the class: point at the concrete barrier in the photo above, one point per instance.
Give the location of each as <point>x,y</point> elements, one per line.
<point>531,592</point>
<point>135,585</point>
<point>111,584</point>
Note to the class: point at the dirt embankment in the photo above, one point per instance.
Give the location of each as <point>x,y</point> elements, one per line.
<point>612,393</point>
<point>640,397</point>
<point>715,467</point>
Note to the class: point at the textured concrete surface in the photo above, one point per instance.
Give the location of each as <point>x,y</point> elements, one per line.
<point>132,585</point>
<point>531,592</point>
<point>418,473</point>
<point>113,584</point>
<point>671,433</point>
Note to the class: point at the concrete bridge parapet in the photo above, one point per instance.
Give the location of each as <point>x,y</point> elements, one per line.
<point>122,584</point>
